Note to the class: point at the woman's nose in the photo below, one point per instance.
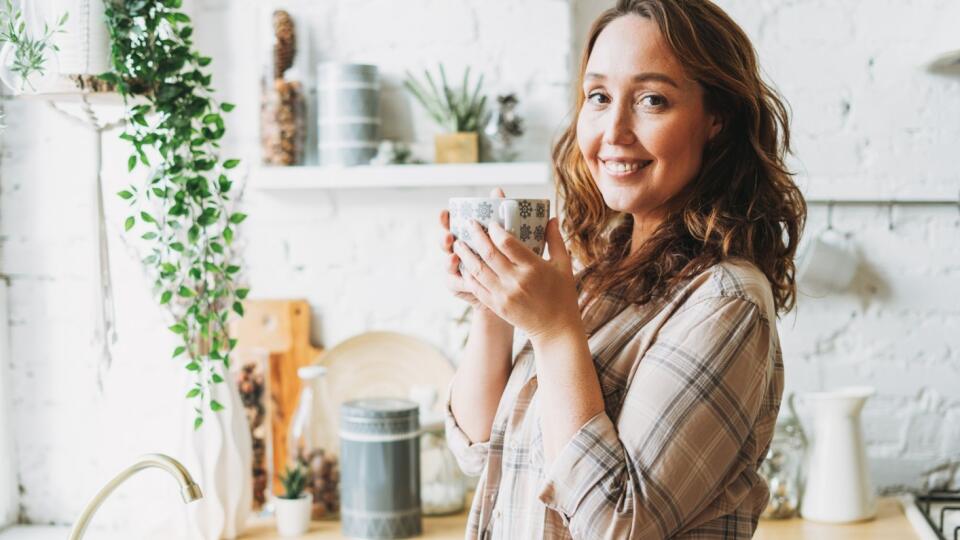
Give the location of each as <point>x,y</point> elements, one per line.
<point>619,130</point>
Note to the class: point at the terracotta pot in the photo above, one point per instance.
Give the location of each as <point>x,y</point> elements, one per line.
<point>457,148</point>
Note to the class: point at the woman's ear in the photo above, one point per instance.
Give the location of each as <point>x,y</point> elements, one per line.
<point>716,126</point>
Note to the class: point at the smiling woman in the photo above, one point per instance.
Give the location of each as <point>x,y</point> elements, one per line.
<point>645,398</point>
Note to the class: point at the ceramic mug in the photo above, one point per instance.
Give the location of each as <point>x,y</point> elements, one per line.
<point>827,263</point>
<point>525,219</point>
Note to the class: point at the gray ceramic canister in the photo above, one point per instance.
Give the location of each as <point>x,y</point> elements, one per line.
<point>348,113</point>
<point>380,469</point>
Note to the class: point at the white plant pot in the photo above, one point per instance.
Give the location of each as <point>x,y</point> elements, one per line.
<point>293,515</point>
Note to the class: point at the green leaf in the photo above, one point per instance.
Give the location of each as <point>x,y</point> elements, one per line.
<point>231,163</point>
<point>233,269</point>
<point>193,366</point>
<point>165,297</point>
<point>185,292</point>
<point>238,308</point>
<point>215,405</point>
<point>216,247</point>
<point>128,224</point>
<point>217,378</point>
<point>228,235</point>
<point>242,293</point>
<point>178,328</point>
<point>178,351</point>
<point>149,235</point>
<point>210,267</point>
<point>126,195</point>
<point>131,163</point>
<point>237,218</point>
<point>193,393</point>
<point>197,422</point>
<point>177,246</point>
<point>147,217</point>
<point>227,107</point>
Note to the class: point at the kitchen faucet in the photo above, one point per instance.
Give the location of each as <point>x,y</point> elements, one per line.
<point>189,490</point>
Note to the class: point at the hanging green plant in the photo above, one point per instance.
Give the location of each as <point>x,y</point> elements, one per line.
<point>174,127</point>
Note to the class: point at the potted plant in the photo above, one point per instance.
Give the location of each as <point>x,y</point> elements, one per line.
<point>459,111</point>
<point>293,507</point>
<point>185,213</point>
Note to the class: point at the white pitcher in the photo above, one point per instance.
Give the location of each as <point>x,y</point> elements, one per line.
<point>838,488</point>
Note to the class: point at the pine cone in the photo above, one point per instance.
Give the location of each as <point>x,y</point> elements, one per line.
<point>285,47</point>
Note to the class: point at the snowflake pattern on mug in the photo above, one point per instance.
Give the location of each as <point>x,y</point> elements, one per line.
<point>524,232</point>
<point>466,211</point>
<point>541,209</point>
<point>454,211</point>
<point>526,209</point>
<point>484,211</point>
<point>538,233</point>
<point>537,250</point>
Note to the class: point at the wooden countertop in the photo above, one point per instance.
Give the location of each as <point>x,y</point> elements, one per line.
<point>890,523</point>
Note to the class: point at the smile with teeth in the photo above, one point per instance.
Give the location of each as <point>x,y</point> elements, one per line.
<point>620,168</point>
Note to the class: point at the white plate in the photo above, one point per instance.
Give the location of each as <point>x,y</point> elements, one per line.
<point>384,364</point>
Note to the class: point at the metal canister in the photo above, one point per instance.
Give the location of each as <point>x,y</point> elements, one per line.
<point>348,113</point>
<point>380,469</point>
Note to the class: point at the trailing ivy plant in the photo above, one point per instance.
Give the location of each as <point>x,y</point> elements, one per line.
<point>174,127</point>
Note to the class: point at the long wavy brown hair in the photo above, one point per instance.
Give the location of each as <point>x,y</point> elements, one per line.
<point>742,203</point>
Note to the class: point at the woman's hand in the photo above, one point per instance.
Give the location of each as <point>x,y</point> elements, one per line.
<point>536,295</point>
<point>455,282</point>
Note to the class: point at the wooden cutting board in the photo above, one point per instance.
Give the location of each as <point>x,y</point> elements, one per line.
<point>282,328</point>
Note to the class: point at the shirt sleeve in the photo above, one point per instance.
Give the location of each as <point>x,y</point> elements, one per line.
<point>685,432</point>
<point>471,456</point>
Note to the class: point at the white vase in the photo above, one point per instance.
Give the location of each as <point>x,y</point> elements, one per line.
<point>838,487</point>
<point>220,456</point>
<point>293,515</point>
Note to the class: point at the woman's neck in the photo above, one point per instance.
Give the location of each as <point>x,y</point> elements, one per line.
<point>643,228</point>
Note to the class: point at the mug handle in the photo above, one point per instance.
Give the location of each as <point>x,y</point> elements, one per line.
<point>510,214</point>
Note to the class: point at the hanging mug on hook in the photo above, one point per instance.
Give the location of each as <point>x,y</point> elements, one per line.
<point>828,261</point>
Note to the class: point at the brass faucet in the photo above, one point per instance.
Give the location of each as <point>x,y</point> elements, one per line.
<point>189,490</point>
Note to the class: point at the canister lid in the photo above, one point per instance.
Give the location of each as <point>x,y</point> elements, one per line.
<point>378,408</point>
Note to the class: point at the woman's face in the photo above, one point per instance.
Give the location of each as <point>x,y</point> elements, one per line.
<point>643,125</point>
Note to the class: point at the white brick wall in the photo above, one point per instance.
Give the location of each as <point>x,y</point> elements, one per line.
<point>866,115</point>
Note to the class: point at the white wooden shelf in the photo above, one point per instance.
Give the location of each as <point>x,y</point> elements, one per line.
<point>400,176</point>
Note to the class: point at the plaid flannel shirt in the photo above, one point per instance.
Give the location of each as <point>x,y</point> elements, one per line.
<point>691,386</point>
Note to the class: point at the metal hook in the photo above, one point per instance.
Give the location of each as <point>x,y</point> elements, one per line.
<point>890,216</point>
<point>829,215</point>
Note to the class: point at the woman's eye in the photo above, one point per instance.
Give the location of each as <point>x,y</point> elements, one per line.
<point>592,98</point>
<point>653,100</point>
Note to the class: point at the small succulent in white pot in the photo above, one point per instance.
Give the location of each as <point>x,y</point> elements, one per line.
<point>293,507</point>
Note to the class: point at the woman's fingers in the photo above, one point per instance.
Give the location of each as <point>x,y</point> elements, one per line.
<point>474,265</point>
<point>485,248</point>
<point>510,246</point>
<point>446,238</point>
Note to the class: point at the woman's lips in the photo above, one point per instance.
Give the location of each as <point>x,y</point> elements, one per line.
<point>623,168</point>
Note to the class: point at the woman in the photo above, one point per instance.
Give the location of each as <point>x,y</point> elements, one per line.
<point>644,400</point>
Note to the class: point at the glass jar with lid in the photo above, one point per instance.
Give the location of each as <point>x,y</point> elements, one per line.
<point>783,466</point>
<point>312,443</point>
<point>442,485</point>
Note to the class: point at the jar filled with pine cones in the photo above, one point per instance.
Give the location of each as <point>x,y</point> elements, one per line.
<point>283,100</point>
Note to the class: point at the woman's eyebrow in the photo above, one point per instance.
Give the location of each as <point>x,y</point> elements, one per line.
<point>640,77</point>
